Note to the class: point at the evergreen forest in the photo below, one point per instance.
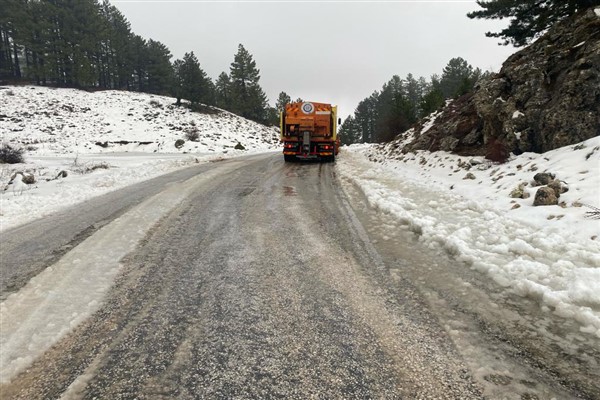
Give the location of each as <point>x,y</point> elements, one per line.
<point>89,44</point>
<point>402,102</point>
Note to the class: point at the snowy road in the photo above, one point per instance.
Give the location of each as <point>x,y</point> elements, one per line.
<point>30,248</point>
<point>252,278</point>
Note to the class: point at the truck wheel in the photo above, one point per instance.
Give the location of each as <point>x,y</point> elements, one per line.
<point>288,158</point>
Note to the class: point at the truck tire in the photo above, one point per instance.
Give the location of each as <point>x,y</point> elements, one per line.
<point>288,158</point>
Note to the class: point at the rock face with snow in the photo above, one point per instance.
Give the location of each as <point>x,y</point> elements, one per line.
<point>545,96</point>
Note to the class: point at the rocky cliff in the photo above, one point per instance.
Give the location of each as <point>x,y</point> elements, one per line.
<point>545,96</point>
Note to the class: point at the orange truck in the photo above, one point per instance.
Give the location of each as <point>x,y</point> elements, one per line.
<point>309,131</point>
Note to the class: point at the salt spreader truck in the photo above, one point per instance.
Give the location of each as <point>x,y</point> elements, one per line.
<point>309,131</point>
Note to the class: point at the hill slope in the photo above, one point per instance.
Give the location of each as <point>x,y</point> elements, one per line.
<point>67,121</point>
<point>81,144</point>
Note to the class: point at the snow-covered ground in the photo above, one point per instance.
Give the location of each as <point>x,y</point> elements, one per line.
<point>69,121</point>
<point>105,141</point>
<point>550,253</point>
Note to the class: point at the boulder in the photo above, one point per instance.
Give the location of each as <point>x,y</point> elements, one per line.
<point>545,196</point>
<point>25,177</point>
<point>543,178</point>
<point>519,192</point>
<point>558,187</point>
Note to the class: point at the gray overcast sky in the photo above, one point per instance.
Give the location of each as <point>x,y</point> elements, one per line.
<point>334,52</point>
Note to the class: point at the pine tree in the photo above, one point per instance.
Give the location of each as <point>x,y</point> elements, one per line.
<point>396,111</point>
<point>139,62</point>
<point>413,95</point>
<point>366,117</point>
<point>159,67</point>
<point>272,116</point>
<point>73,32</point>
<point>424,86</point>
<point>248,98</point>
<point>209,97</point>
<point>80,43</point>
<point>13,20</point>
<point>177,87</point>
<point>528,18</point>
<point>195,84</point>
<point>85,43</point>
<point>456,78</point>
<point>350,131</point>
<point>282,100</point>
<point>433,98</point>
<point>386,111</point>
<point>223,91</point>
<point>118,66</point>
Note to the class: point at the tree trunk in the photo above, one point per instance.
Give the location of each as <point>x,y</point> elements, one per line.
<point>17,66</point>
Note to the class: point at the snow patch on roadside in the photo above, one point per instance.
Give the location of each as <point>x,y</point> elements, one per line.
<point>49,195</point>
<point>553,261</point>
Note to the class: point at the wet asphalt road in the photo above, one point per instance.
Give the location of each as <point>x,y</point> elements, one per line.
<point>48,239</point>
<point>263,284</point>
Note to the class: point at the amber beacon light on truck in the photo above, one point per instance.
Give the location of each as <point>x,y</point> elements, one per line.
<point>309,131</point>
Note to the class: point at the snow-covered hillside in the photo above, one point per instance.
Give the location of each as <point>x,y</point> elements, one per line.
<point>68,121</point>
<point>464,206</point>
<point>104,141</point>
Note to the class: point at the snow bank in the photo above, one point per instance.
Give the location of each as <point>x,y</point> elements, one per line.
<point>548,253</point>
<point>83,182</point>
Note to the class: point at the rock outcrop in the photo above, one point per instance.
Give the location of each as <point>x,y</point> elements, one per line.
<point>545,96</point>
